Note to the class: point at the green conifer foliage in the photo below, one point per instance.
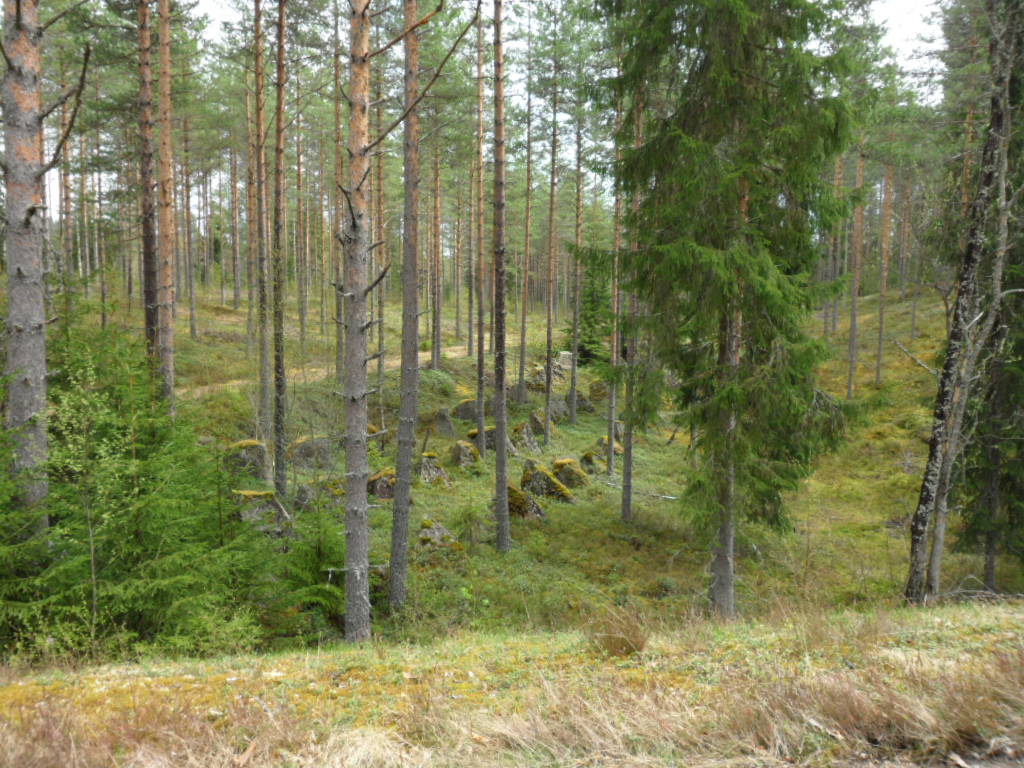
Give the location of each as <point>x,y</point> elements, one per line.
<point>741,116</point>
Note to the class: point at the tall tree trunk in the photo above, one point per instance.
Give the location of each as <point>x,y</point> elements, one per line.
<point>166,295</point>
<point>578,241</point>
<point>280,380</point>
<point>146,189</point>
<point>613,389</point>
<point>626,510</point>
<point>407,408</point>
<point>301,266</point>
<point>481,442</point>
<point>500,415</point>
<point>190,270</point>
<point>435,272</point>
<point>262,299</point>
<point>356,238</point>
<point>856,257</point>
<point>524,301</point>
<point>236,266</point>
<point>967,334</point>
<point>339,176</point>
<point>885,240</point>
<point>23,206</point>
<point>551,298</point>
<point>251,224</point>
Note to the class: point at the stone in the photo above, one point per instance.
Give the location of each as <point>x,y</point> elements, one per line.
<point>523,438</point>
<point>537,425</point>
<point>522,504</point>
<point>264,512</point>
<point>491,439</point>
<point>382,484</point>
<point>593,463</point>
<point>311,452</point>
<point>466,410</point>
<point>442,424</point>
<point>569,473</point>
<point>535,378</point>
<point>431,471</point>
<point>559,410</point>
<point>539,480</point>
<point>598,390</point>
<point>564,359</point>
<point>433,534</point>
<point>464,454</point>
<point>583,405</point>
<point>603,444</point>
<point>246,456</point>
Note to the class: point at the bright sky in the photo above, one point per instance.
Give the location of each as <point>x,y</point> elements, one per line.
<point>906,22</point>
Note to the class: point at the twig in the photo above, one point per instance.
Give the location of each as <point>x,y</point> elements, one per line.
<point>59,148</point>
<point>405,33</point>
<point>916,359</point>
<point>426,90</point>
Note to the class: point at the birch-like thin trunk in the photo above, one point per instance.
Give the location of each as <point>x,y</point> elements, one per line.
<point>236,261</point>
<point>968,334</point>
<point>613,388</point>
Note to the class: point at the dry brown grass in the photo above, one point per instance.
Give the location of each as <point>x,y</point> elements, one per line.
<point>617,631</point>
<point>804,689</point>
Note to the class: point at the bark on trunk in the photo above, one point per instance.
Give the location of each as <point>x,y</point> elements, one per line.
<point>280,380</point>
<point>549,348</point>
<point>166,294</point>
<point>480,423</point>
<point>500,416</point>
<point>967,334</point>
<point>262,299</point>
<point>524,301</point>
<point>26,302</point>
<point>356,238</point>
<point>147,199</point>
<point>408,405</point>
<point>855,263</point>
<point>885,240</point>
<point>577,271</point>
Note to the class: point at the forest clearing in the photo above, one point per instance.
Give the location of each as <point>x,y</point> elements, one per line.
<point>559,383</point>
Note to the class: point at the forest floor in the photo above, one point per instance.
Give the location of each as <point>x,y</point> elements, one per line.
<point>504,660</point>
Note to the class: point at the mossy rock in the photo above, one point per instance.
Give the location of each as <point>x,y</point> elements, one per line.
<point>537,425</point>
<point>603,443</point>
<point>598,391</point>
<point>466,409</point>
<point>382,484</point>
<point>311,452</point>
<point>430,470</point>
<point>570,473</point>
<point>540,480</point>
<point>522,504</point>
<point>593,463</point>
<point>491,439</point>
<point>583,405</point>
<point>246,456</point>
<point>523,438</point>
<point>433,534</point>
<point>464,454</point>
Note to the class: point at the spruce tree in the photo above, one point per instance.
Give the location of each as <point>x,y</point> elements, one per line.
<point>727,233</point>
